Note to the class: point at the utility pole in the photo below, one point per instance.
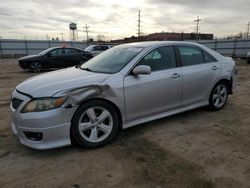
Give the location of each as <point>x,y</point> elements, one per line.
<point>87,33</point>
<point>248,27</point>
<point>77,35</point>
<point>62,36</point>
<point>139,24</point>
<point>197,26</point>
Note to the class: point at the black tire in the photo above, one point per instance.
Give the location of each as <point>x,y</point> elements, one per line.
<point>35,66</point>
<point>212,106</point>
<point>248,61</point>
<point>76,136</point>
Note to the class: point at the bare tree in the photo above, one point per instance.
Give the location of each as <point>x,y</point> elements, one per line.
<point>100,38</point>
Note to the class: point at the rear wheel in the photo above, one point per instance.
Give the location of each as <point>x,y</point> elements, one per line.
<point>218,96</point>
<point>94,124</point>
<point>35,66</point>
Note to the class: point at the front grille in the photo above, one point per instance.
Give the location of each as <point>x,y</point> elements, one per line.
<point>16,103</point>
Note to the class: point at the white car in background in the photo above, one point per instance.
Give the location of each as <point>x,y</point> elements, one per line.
<point>97,49</point>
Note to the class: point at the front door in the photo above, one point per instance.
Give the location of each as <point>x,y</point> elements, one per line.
<point>157,92</point>
<point>54,58</point>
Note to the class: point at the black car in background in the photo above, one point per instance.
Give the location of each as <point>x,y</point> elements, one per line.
<point>56,57</point>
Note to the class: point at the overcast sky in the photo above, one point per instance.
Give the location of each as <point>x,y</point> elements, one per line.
<point>118,18</point>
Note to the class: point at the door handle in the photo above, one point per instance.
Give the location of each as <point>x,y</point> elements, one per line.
<point>214,68</point>
<point>175,75</point>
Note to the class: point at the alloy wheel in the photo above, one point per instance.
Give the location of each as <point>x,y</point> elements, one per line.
<point>95,124</point>
<point>36,66</point>
<point>219,95</point>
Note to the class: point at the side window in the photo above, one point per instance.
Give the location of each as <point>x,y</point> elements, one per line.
<point>208,58</point>
<point>56,52</point>
<point>160,58</point>
<point>104,48</point>
<point>191,55</point>
<point>96,48</point>
<point>70,51</point>
<point>153,55</point>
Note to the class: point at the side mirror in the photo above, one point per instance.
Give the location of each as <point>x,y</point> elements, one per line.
<point>48,55</point>
<point>142,69</point>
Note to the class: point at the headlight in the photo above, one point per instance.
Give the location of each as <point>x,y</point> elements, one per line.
<point>43,104</point>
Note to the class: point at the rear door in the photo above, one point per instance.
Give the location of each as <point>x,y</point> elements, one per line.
<point>200,71</point>
<point>157,92</point>
<point>72,57</point>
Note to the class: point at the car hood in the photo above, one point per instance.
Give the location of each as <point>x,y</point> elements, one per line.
<point>28,57</point>
<point>48,84</point>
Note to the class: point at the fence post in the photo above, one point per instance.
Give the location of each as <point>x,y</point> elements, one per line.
<point>215,45</point>
<point>235,40</point>
<point>49,43</point>
<point>26,46</point>
<point>1,51</point>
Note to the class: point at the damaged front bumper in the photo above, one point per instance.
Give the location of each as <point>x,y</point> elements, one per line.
<point>41,130</point>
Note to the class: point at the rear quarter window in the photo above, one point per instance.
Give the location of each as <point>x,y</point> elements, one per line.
<point>208,57</point>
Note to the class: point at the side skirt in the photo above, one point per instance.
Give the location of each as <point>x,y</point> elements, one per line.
<point>162,115</point>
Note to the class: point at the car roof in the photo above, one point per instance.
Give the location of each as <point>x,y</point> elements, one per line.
<point>99,45</point>
<point>58,47</point>
<point>156,43</point>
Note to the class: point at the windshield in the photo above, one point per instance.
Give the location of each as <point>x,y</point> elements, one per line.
<point>44,52</point>
<point>112,60</point>
<point>89,48</point>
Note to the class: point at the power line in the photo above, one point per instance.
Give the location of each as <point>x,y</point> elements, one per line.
<point>197,26</point>
<point>139,24</point>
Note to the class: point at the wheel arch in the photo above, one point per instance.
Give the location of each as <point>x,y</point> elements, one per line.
<point>224,80</point>
<point>32,61</point>
<point>107,101</point>
<point>228,82</point>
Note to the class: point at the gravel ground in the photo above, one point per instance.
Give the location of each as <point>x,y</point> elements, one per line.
<point>198,148</point>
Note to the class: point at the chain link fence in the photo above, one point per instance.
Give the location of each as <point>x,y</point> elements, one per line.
<point>229,47</point>
<point>17,48</point>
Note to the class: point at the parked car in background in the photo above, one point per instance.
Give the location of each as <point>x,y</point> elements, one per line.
<point>248,57</point>
<point>56,57</point>
<point>97,49</point>
<point>127,85</point>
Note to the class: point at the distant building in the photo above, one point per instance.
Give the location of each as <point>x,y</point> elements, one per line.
<point>164,36</point>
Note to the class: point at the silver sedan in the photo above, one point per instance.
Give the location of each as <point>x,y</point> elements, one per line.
<point>124,86</point>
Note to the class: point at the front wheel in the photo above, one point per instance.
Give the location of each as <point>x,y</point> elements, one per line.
<point>35,66</point>
<point>94,124</point>
<point>218,96</point>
